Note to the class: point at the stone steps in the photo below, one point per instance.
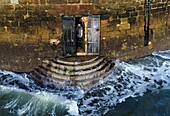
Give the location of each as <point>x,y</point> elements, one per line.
<point>74,71</point>
<point>77,62</point>
<point>86,74</point>
<point>38,76</point>
<point>76,66</point>
<point>80,77</point>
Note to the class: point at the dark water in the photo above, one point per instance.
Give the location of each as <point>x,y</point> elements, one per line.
<point>136,88</point>
<point>151,104</point>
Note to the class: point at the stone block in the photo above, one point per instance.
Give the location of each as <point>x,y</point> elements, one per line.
<point>57,1</point>
<point>22,24</point>
<point>129,9</point>
<point>164,0</point>
<point>2,17</point>
<point>5,2</point>
<point>141,7</point>
<point>10,17</point>
<point>14,23</point>
<point>59,24</point>
<point>43,2</point>
<point>34,18</point>
<point>115,22</point>
<point>36,1</point>
<point>23,1</point>
<point>8,7</point>
<point>84,12</point>
<point>52,24</point>
<point>1,7</point>
<point>55,12</point>
<point>87,7</point>
<point>30,7</point>
<point>31,1</point>
<point>7,23</point>
<point>34,13</point>
<point>2,23</point>
<point>123,15</point>
<point>44,23</point>
<point>133,13</point>
<point>114,14</point>
<point>21,12</point>
<point>73,1</point>
<point>14,30</point>
<point>19,17</point>
<point>132,20</point>
<point>124,20</point>
<point>2,12</point>
<point>140,12</point>
<point>153,1</point>
<point>60,7</point>
<point>18,7</point>
<point>142,2</point>
<point>74,9</point>
<point>49,18</point>
<point>161,4</point>
<point>105,16</point>
<point>49,6</point>
<point>42,13</point>
<point>89,1</point>
<point>154,6</point>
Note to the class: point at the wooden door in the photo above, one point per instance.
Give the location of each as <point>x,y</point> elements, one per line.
<point>69,39</point>
<point>93,35</point>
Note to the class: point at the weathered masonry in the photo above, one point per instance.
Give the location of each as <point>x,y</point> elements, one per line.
<point>27,27</point>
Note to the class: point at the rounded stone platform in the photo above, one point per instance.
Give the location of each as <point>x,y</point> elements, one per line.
<point>73,71</point>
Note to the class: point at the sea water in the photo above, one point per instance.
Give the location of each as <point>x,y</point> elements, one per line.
<point>135,88</point>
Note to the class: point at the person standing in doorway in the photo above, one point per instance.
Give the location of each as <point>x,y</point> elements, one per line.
<point>79,35</point>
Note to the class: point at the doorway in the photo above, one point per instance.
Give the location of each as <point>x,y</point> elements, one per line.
<point>79,34</point>
<point>88,43</point>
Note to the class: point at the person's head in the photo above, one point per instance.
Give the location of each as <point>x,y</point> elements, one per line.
<point>79,25</point>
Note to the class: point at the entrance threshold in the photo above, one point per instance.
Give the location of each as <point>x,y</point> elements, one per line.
<point>81,54</point>
<point>84,54</point>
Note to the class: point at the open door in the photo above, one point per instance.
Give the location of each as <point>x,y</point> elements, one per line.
<point>69,40</point>
<point>91,38</point>
<point>93,35</point>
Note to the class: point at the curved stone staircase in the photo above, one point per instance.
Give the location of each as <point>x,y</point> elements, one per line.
<point>86,74</point>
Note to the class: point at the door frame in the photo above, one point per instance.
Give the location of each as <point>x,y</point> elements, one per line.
<point>85,19</point>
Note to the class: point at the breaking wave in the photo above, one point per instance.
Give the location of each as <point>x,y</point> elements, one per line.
<point>20,95</point>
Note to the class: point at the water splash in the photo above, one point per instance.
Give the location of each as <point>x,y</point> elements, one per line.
<point>23,103</point>
<point>128,79</point>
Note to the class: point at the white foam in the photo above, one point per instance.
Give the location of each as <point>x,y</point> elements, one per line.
<point>163,54</point>
<point>127,80</point>
<point>45,97</point>
<point>22,78</point>
<point>72,106</point>
<point>150,74</point>
<point>25,108</point>
<point>38,99</point>
<point>12,103</point>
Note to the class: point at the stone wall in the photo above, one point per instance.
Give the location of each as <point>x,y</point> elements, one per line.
<point>33,20</point>
<point>123,27</point>
<point>29,22</point>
